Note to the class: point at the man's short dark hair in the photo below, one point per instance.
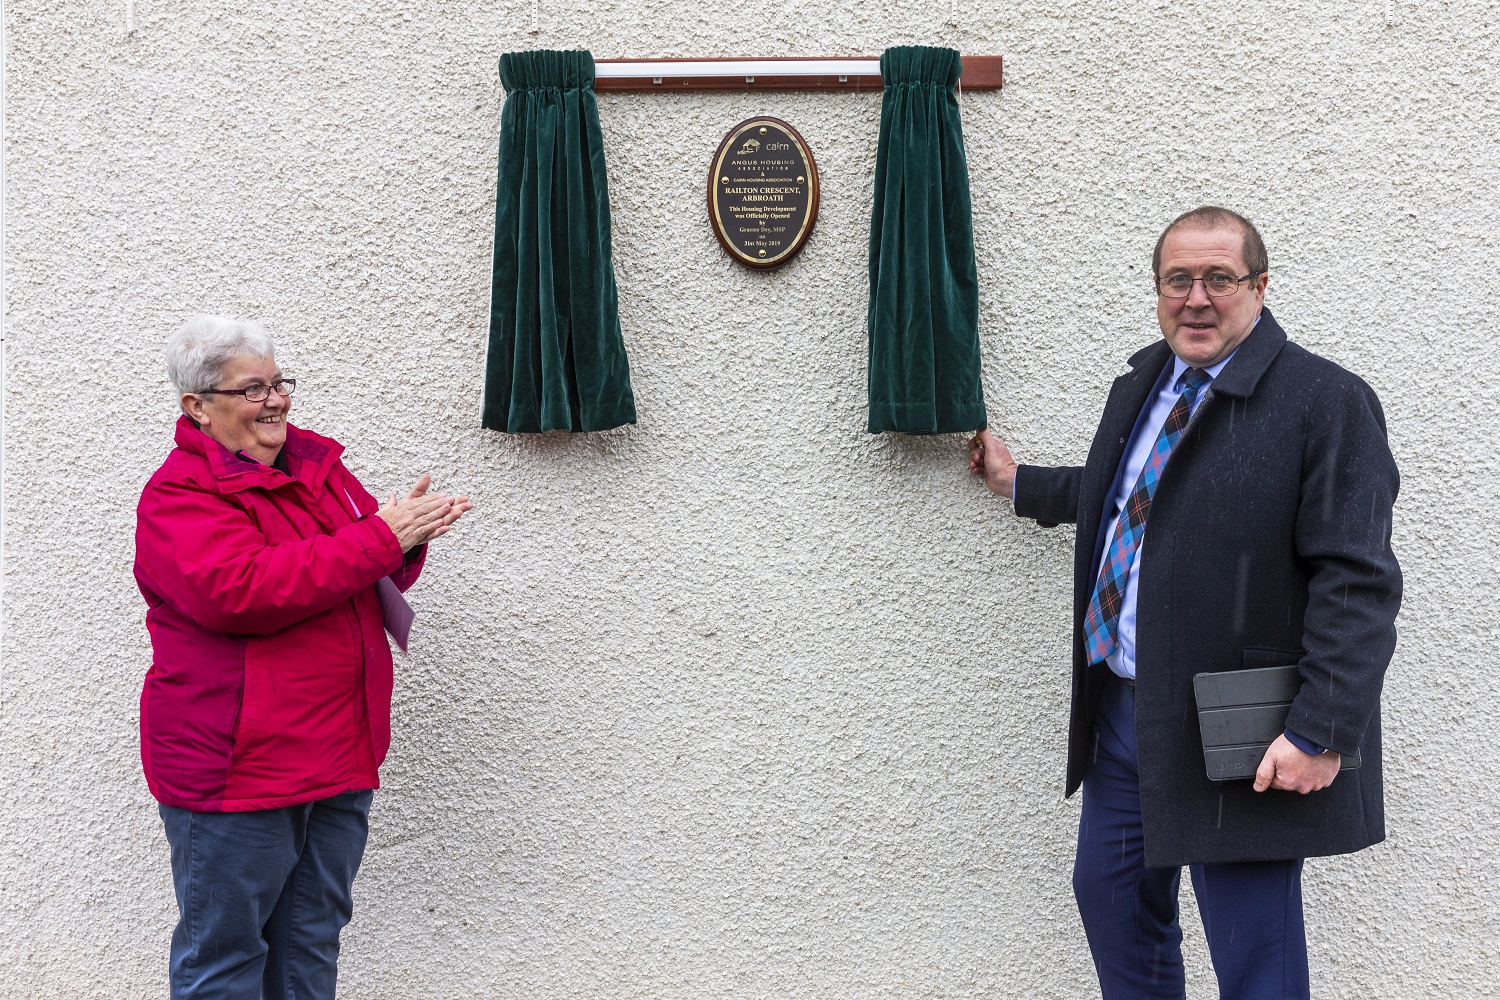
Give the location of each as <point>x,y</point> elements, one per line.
<point>1213,217</point>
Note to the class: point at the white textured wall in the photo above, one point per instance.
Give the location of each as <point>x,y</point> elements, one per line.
<point>740,701</point>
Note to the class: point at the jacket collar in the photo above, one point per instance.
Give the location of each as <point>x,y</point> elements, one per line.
<point>309,457</point>
<point>1242,374</point>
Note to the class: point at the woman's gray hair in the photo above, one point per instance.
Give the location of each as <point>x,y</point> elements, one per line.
<point>202,348</point>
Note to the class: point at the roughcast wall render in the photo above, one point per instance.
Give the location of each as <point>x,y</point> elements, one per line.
<point>739,701</point>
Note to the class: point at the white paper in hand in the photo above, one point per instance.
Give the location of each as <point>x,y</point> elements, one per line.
<point>394,611</point>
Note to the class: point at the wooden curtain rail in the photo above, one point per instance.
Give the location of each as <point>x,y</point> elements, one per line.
<point>793,73</point>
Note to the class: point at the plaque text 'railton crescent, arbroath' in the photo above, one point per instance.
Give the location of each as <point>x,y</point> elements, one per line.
<point>763,193</point>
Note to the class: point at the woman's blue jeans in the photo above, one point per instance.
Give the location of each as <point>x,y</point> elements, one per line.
<point>262,896</point>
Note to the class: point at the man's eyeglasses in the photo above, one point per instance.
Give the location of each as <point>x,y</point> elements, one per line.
<point>1180,286</point>
<point>256,393</point>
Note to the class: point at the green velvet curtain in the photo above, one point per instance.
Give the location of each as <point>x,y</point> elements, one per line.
<point>923,322</point>
<point>556,358</point>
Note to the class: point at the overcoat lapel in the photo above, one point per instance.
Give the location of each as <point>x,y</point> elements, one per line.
<point>1243,373</point>
<point>1126,397</point>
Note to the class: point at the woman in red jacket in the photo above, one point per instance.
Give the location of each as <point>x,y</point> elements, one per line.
<point>266,711</point>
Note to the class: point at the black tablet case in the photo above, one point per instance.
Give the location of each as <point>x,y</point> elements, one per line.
<point>1240,714</point>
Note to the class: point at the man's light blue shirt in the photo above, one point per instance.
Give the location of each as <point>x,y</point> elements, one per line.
<point>1147,426</point>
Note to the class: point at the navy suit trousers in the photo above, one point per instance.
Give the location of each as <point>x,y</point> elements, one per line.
<point>1252,912</point>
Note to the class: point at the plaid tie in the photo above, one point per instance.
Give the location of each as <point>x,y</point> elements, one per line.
<point>1101,629</point>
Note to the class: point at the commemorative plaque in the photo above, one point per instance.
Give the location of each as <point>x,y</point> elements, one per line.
<point>763,193</point>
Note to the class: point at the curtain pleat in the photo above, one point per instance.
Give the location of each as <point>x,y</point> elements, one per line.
<point>556,357</point>
<point>923,320</point>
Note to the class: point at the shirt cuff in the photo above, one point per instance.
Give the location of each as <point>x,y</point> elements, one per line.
<point>1306,746</point>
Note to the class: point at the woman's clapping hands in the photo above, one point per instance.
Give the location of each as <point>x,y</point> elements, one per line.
<point>420,516</point>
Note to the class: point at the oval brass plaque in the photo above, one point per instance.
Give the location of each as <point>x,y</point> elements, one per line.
<point>763,193</point>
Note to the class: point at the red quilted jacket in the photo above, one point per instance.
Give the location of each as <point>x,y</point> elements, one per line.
<point>270,681</point>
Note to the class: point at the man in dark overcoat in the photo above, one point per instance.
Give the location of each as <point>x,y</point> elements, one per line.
<point>1234,511</point>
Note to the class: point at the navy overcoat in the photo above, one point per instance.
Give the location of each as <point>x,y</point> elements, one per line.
<point>1268,542</point>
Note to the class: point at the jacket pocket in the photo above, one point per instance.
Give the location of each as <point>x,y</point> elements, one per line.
<point>1268,656</point>
<point>245,729</point>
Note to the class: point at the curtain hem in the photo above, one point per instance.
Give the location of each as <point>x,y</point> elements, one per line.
<point>927,418</point>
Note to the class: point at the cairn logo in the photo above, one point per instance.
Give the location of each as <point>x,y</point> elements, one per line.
<point>750,146</point>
